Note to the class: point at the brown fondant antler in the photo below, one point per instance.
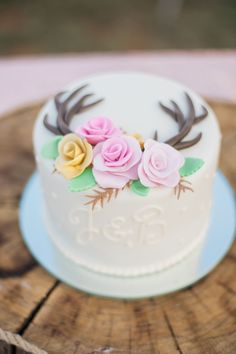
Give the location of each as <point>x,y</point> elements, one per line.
<point>66,111</point>
<point>184,124</point>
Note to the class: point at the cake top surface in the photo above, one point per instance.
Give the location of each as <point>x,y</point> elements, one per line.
<point>122,129</point>
<point>132,101</point>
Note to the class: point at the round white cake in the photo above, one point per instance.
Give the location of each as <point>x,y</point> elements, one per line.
<point>127,173</point>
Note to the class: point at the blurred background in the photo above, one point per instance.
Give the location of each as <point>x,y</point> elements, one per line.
<point>52,26</point>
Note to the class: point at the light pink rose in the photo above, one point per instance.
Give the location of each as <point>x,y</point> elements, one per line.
<point>97,130</point>
<point>160,165</point>
<point>116,161</point>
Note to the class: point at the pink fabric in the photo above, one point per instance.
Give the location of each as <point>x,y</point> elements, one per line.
<point>26,79</point>
<point>115,161</point>
<point>160,165</point>
<point>98,129</point>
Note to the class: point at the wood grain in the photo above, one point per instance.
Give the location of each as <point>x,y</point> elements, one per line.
<point>198,320</point>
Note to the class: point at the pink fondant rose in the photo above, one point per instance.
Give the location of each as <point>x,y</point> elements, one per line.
<point>97,130</point>
<point>160,165</point>
<point>116,161</point>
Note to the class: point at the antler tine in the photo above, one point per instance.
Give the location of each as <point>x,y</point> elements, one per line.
<point>202,116</point>
<point>74,93</point>
<point>155,137</point>
<point>186,126</point>
<point>61,121</point>
<point>50,127</point>
<point>61,110</point>
<point>84,98</point>
<point>73,110</point>
<point>57,102</point>
<point>191,108</point>
<point>169,111</point>
<point>92,104</point>
<point>79,107</point>
<point>178,113</point>
<point>185,144</point>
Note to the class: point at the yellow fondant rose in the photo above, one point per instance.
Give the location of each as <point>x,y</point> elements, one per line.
<point>75,154</point>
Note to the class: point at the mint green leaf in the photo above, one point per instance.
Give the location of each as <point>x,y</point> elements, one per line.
<point>83,182</point>
<point>191,165</point>
<point>50,149</point>
<point>138,188</point>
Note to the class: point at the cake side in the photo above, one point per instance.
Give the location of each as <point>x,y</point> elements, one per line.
<point>129,236</point>
<point>134,233</point>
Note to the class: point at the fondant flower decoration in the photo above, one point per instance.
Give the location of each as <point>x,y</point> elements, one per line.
<point>75,154</point>
<point>100,153</point>
<point>140,139</point>
<point>116,161</point>
<point>160,165</point>
<point>97,130</point>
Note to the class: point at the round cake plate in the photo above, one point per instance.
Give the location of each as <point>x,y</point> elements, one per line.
<point>194,267</point>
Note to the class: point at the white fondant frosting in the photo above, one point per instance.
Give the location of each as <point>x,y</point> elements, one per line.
<point>131,235</point>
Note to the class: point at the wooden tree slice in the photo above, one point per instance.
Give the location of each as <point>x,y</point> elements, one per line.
<point>198,320</point>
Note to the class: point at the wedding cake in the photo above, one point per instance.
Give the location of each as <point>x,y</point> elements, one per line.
<point>127,164</point>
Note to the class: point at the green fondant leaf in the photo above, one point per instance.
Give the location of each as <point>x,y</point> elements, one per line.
<point>83,182</point>
<point>50,149</point>
<point>138,188</point>
<point>191,165</point>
